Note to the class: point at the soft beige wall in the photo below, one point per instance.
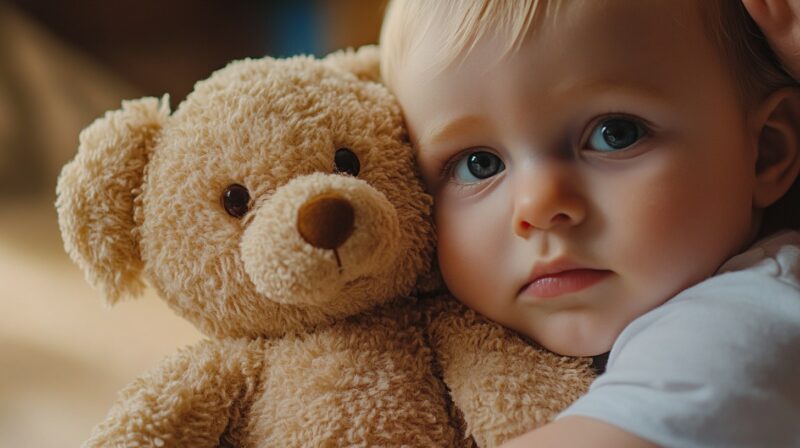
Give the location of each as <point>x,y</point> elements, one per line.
<point>63,354</point>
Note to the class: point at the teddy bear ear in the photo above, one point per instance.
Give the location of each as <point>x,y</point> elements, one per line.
<point>97,191</point>
<point>363,62</point>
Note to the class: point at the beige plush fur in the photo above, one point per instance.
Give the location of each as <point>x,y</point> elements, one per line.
<point>308,345</point>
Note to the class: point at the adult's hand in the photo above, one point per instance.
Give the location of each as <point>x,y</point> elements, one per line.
<point>780,22</point>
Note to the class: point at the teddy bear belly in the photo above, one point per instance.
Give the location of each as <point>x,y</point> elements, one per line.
<point>353,384</point>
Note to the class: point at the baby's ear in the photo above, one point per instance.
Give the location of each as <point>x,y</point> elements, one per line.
<point>778,144</point>
<point>96,192</point>
<point>364,62</point>
<point>779,20</point>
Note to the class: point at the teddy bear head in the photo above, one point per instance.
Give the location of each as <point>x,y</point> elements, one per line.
<point>281,194</point>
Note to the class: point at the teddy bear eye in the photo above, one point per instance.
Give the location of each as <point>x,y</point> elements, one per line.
<point>236,200</point>
<point>345,161</point>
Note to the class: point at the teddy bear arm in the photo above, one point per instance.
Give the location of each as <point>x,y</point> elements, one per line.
<point>198,397</point>
<point>502,385</point>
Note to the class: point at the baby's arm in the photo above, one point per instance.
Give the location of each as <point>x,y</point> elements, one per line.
<point>578,431</point>
<point>780,22</point>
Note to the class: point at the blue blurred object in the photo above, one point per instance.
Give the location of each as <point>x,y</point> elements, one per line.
<point>295,27</point>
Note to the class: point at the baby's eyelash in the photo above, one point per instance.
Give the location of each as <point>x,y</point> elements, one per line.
<point>446,172</point>
<point>591,124</point>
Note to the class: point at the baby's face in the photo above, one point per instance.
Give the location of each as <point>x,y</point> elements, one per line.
<point>589,177</point>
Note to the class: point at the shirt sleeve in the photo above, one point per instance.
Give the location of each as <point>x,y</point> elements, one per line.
<point>716,366</point>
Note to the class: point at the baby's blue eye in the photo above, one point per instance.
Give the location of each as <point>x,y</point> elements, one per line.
<point>617,133</point>
<point>477,166</point>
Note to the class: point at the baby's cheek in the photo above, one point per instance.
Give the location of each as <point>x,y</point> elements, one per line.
<point>468,251</point>
<point>627,220</point>
<point>662,229</point>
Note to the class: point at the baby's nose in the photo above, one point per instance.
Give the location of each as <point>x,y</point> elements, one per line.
<point>326,221</point>
<point>546,199</point>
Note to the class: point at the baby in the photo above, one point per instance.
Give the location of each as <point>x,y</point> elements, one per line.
<point>618,175</point>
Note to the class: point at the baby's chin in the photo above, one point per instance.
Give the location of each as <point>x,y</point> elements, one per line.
<point>577,341</point>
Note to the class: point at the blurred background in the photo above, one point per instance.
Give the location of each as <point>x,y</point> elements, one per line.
<point>63,353</point>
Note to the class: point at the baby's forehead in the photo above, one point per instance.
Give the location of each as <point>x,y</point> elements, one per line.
<point>637,35</point>
<point>583,61</point>
<point>458,28</point>
<point>587,36</point>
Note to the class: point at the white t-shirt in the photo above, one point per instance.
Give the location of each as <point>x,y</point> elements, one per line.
<point>718,365</point>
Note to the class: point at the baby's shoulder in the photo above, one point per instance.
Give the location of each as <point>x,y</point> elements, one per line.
<point>752,303</point>
<point>776,256</point>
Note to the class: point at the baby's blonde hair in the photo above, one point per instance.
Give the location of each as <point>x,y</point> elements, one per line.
<point>727,25</point>
<point>463,22</point>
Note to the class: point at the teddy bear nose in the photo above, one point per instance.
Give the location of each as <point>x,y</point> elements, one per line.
<point>326,221</point>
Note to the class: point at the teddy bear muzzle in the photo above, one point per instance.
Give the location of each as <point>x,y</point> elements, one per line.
<point>318,234</point>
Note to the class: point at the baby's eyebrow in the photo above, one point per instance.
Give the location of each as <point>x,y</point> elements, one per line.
<point>449,128</point>
<point>572,87</point>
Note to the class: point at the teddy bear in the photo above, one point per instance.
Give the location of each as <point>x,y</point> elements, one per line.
<point>279,210</point>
